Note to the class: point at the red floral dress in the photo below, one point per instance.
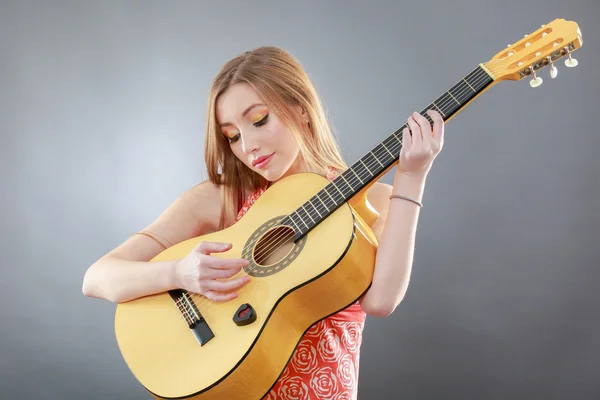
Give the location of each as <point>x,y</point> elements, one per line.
<point>325,363</point>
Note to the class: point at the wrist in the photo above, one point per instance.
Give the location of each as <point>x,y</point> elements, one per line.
<point>420,176</point>
<point>409,184</point>
<point>173,274</point>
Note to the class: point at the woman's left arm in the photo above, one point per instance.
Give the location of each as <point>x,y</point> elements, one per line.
<point>396,225</point>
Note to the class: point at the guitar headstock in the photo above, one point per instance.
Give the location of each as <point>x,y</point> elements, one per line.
<point>536,50</point>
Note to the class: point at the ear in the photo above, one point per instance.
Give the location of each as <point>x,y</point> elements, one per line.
<point>301,113</point>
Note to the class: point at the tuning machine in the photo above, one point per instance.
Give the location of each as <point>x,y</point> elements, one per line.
<point>571,62</point>
<point>536,81</point>
<point>553,69</point>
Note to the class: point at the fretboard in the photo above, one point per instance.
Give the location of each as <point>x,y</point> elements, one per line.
<point>380,158</point>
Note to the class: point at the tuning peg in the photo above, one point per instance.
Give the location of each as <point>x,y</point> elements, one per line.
<point>536,81</point>
<point>571,62</point>
<point>553,69</point>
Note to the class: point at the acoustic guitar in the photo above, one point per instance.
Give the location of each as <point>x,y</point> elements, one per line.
<point>311,254</point>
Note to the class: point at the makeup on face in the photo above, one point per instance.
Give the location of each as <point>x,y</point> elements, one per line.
<point>256,114</point>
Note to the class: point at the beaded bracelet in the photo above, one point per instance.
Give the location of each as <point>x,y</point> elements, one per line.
<point>397,196</point>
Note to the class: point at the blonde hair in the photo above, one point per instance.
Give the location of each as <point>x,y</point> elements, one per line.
<point>282,82</point>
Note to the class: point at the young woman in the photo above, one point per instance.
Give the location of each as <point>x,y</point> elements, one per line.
<point>264,122</point>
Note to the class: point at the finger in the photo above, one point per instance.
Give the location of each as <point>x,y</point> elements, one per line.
<point>225,286</point>
<point>212,247</point>
<point>438,126</point>
<point>406,139</point>
<point>226,263</point>
<point>425,126</point>
<point>213,273</point>
<point>415,130</point>
<point>220,297</point>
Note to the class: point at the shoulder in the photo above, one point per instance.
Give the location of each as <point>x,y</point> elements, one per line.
<point>191,214</point>
<point>204,202</point>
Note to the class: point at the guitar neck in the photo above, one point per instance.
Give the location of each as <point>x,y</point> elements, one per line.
<point>383,156</point>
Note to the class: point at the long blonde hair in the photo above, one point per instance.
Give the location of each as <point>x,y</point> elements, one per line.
<point>282,82</point>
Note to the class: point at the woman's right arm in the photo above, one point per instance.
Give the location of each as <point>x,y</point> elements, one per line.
<point>125,273</point>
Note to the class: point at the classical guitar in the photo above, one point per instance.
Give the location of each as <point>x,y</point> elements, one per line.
<point>311,254</point>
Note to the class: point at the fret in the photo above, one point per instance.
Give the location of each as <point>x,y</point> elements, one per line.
<point>386,149</point>
<point>347,183</point>
<point>475,82</point>
<point>479,79</point>
<point>377,159</point>
<point>332,199</point>
<point>460,91</point>
<point>296,227</point>
<point>300,216</point>
<point>344,186</point>
<point>392,142</point>
<point>325,206</point>
<point>474,91</point>
<point>439,109</point>
<point>316,209</point>
<point>307,212</point>
<point>366,166</point>
<point>382,156</point>
<point>354,172</point>
<point>398,138</point>
<point>457,102</point>
<point>351,181</point>
<point>363,173</point>
<point>371,166</point>
<point>333,184</point>
<point>447,103</point>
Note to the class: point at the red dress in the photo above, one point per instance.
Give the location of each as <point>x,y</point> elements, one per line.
<point>325,363</point>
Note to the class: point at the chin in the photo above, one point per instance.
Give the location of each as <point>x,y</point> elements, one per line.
<point>272,173</point>
<point>271,176</point>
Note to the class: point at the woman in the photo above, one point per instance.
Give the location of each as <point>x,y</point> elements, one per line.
<point>265,122</point>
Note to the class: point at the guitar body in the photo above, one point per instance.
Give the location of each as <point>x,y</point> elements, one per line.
<point>328,269</point>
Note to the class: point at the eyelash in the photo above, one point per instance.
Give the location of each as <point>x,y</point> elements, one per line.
<point>256,124</point>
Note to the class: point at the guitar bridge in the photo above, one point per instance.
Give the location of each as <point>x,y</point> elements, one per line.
<point>192,316</point>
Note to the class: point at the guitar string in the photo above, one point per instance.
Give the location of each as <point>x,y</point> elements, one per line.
<point>356,176</point>
<point>282,238</point>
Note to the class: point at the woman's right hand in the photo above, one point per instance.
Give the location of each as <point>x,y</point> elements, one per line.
<point>201,273</point>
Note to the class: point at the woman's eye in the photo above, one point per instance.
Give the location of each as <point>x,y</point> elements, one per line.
<point>234,138</point>
<point>262,121</point>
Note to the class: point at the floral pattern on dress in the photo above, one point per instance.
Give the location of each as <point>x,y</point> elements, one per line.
<point>325,362</point>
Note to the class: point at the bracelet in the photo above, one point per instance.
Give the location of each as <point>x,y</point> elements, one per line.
<point>397,196</point>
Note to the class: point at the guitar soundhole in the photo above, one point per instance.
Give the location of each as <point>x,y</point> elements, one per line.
<point>274,246</point>
<point>271,248</point>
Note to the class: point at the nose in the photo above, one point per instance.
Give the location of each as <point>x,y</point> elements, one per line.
<point>249,143</point>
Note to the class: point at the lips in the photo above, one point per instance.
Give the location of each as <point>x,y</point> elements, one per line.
<point>260,160</point>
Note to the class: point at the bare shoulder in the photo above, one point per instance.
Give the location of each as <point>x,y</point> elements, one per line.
<point>378,196</point>
<point>193,213</point>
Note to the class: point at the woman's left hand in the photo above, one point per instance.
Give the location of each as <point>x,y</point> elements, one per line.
<point>421,144</point>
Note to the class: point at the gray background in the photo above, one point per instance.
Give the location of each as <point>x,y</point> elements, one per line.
<point>101,118</point>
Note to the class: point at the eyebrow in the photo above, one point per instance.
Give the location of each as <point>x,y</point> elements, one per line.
<point>246,111</point>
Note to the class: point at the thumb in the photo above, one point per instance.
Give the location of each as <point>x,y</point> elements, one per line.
<point>211,247</point>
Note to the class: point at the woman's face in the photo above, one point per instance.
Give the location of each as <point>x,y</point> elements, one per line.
<point>256,136</point>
